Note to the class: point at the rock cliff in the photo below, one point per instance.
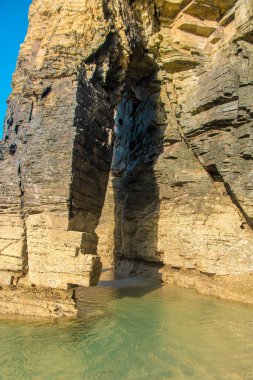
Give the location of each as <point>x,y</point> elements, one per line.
<point>128,141</point>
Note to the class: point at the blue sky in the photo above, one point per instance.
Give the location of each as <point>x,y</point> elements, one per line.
<point>13,27</point>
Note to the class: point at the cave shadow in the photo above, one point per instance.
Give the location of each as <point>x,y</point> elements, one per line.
<point>140,124</point>
<point>92,152</point>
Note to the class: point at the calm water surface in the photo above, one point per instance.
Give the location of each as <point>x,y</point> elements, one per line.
<point>127,332</point>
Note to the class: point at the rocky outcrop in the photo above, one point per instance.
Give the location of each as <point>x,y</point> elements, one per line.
<point>56,152</point>
<point>128,140</point>
<point>37,302</point>
<point>182,166</point>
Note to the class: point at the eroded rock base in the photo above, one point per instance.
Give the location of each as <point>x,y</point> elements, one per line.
<point>235,288</point>
<point>37,302</point>
<point>230,287</point>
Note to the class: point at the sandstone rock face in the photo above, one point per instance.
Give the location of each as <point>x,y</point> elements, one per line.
<point>56,151</point>
<point>181,184</point>
<point>128,137</point>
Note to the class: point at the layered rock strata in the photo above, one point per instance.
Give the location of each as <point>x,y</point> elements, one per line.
<point>181,181</point>
<point>56,150</point>
<point>164,87</point>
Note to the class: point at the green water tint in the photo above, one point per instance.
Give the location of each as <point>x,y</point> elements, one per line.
<point>133,333</point>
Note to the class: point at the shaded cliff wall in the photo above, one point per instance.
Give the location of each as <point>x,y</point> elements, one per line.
<point>200,173</point>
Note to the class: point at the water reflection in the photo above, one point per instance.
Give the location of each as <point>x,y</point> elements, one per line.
<point>133,333</point>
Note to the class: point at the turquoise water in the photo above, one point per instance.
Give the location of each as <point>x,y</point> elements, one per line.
<point>139,332</point>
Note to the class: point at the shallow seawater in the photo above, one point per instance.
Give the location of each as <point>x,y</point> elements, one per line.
<point>133,330</point>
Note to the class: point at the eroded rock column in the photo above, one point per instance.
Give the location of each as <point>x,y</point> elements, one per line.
<point>57,146</point>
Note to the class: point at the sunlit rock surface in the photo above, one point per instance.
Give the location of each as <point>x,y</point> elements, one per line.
<point>128,140</point>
